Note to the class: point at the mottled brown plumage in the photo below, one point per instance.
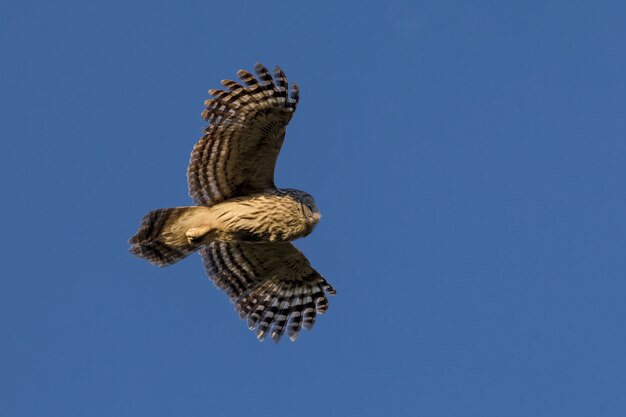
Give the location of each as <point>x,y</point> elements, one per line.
<point>242,224</point>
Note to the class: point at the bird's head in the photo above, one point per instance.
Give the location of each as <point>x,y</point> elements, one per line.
<point>309,208</point>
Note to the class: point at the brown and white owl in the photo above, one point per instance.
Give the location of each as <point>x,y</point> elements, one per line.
<point>242,224</point>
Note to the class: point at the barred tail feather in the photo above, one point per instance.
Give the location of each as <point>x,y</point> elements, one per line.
<point>161,238</point>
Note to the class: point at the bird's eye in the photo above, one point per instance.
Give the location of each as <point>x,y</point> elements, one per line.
<point>306,208</point>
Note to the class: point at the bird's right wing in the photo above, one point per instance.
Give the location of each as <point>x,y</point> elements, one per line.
<point>271,284</point>
<point>238,152</point>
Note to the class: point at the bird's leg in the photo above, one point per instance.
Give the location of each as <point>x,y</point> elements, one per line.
<point>195,234</point>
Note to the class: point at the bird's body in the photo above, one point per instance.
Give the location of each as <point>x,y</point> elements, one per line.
<point>242,224</point>
<point>274,216</point>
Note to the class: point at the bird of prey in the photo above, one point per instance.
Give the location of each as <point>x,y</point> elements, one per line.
<point>242,224</point>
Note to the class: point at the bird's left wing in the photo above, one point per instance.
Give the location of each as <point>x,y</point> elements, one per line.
<point>238,152</point>
<point>271,284</point>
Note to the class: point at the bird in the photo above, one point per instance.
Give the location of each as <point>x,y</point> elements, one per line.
<point>242,225</point>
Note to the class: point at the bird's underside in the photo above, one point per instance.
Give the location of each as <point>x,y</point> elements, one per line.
<point>242,225</point>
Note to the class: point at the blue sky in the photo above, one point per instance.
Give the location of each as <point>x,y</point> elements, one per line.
<point>468,159</point>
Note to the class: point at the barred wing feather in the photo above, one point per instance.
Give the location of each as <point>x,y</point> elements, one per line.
<point>272,285</point>
<point>238,152</point>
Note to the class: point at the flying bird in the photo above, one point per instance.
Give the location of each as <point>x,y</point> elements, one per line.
<point>242,224</point>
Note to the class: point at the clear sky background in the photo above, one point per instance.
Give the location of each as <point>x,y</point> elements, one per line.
<point>469,160</point>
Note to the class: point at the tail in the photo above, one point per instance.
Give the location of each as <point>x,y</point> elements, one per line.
<point>161,237</point>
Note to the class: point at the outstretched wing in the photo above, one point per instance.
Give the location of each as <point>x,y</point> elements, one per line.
<point>271,284</point>
<point>238,152</point>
